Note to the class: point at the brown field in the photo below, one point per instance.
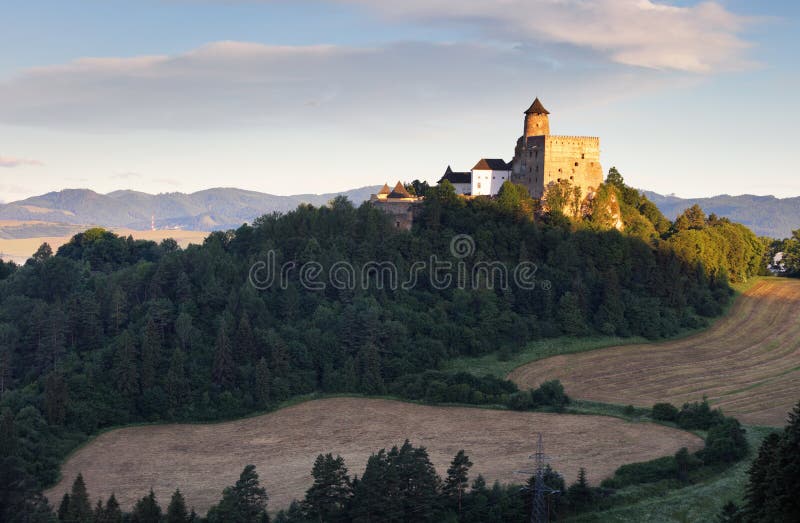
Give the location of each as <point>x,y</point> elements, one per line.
<point>20,249</point>
<point>202,459</point>
<point>748,363</point>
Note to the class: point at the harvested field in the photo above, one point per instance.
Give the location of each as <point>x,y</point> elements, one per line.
<point>748,363</point>
<point>202,459</point>
<point>20,249</point>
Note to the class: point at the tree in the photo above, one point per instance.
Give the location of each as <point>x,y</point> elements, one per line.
<point>43,253</point>
<point>262,383</point>
<point>176,511</point>
<point>580,495</point>
<point>151,355</point>
<point>730,513</point>
<point>55,398</point>
<point>124,370</point>
<point>327,498</point>
<point>370,366</point>
<point>615,178</point>
<point>112,512</point>
<point>177,384</point>
<point>455,485</point>
<point>222,371</point>
<point>78,507</point>
<point>245,342</point>
<point>147,510</point>
<point>244,502</point>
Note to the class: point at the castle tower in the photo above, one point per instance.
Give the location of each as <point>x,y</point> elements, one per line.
<point>537,123</point>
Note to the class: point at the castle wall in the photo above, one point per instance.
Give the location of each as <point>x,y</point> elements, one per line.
<point>573,158</point>
<point>528,165</point>
<point>401,211</point>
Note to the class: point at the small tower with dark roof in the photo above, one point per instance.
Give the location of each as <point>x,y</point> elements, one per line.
<point>537,123</point>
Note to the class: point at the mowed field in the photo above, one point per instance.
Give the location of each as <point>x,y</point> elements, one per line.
<point>748,363</point>
<point>202,459</point>
<point>20,249</point>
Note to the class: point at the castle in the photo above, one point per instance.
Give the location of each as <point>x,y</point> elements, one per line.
<point>539,160</point>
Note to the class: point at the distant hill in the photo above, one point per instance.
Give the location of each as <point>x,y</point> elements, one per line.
<point>764,215</point>
<point>212,209</point>
<point>226,208</point>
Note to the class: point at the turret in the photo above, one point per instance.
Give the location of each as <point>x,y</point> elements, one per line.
<point>537,122</point>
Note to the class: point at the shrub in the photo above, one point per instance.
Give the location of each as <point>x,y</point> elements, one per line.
<point>665,412</point>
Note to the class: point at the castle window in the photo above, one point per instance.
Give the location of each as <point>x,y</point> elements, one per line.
<point>576,164</point>
<point>397,224</point>
<point>583,156</point>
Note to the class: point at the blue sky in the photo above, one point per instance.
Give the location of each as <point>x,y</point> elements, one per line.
<point>692,98</point>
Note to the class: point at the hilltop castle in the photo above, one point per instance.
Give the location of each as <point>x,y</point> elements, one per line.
<point>539,160</point>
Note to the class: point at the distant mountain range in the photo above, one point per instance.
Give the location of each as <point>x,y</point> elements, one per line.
<point>764,215</point>
<point>212,209</point>
<point>226,208</point>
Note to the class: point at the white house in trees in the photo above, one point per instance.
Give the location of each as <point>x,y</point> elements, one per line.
<point>485,179</point>
<point>488,176</point>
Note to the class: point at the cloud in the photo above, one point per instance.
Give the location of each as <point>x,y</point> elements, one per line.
<point>321,88</point>
<point>127,175</point>
<point>8,161</point>
<point>699,38</point>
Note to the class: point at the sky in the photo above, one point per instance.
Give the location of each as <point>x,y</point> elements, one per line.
<point>693,98</point>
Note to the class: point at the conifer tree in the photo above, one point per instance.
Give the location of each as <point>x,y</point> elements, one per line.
<point>262,383</point>
<point>55,398</point>
<point>78,507</point>
<point>151,355</point>
<point>222,371</point>
<point>370,366</point>
<point>176,511</point>
<point>177,384</point>
<point>455,485</point>
<point>124,370</point>
<point>327,498</point>
<point>112,513</point>
<point>244,342</point>
<point>147,510</point>
<point>580,494</point>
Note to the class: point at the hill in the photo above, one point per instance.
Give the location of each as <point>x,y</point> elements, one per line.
<point>211,209</point>
<point>764,215</point>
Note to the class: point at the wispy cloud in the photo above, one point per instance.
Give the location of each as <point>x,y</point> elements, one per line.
<point>699,38</point>
<point>240,84</point>
<point>8,161</point>
<point>126,175</point>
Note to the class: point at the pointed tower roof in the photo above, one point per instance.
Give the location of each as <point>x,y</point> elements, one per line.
<point>385,189</point>
<point>399,192</point>
<point>537,108</point>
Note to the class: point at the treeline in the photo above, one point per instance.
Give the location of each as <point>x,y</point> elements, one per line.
<point>397,486</point>
<point>110,331</point>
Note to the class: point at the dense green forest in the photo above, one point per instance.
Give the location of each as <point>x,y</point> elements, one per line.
<point>110,331</point>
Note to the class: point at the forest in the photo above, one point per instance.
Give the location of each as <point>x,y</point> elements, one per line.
<point>110,331</point>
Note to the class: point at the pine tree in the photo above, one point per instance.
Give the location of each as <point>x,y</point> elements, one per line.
<point>245,341</point>
<point>580,495</point>
<point>119,309</point>
<point>147,510</point>
<point>222,371</point>
<point>177,384</point>
<point>262,383</point>
<point>176,512</point>
<point>8,434</point>
<point>78,508</point>
<point>183,328</point>
<point>112,513</point>
<point>370,366</point>
<point>99,512</point>
<point>55,398</point>
<point>124,370</point>
<point>244,502</point>
<point>63,507</point>
<point>455,485</point>
<point>151,355</point>
<point>328,496</point>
